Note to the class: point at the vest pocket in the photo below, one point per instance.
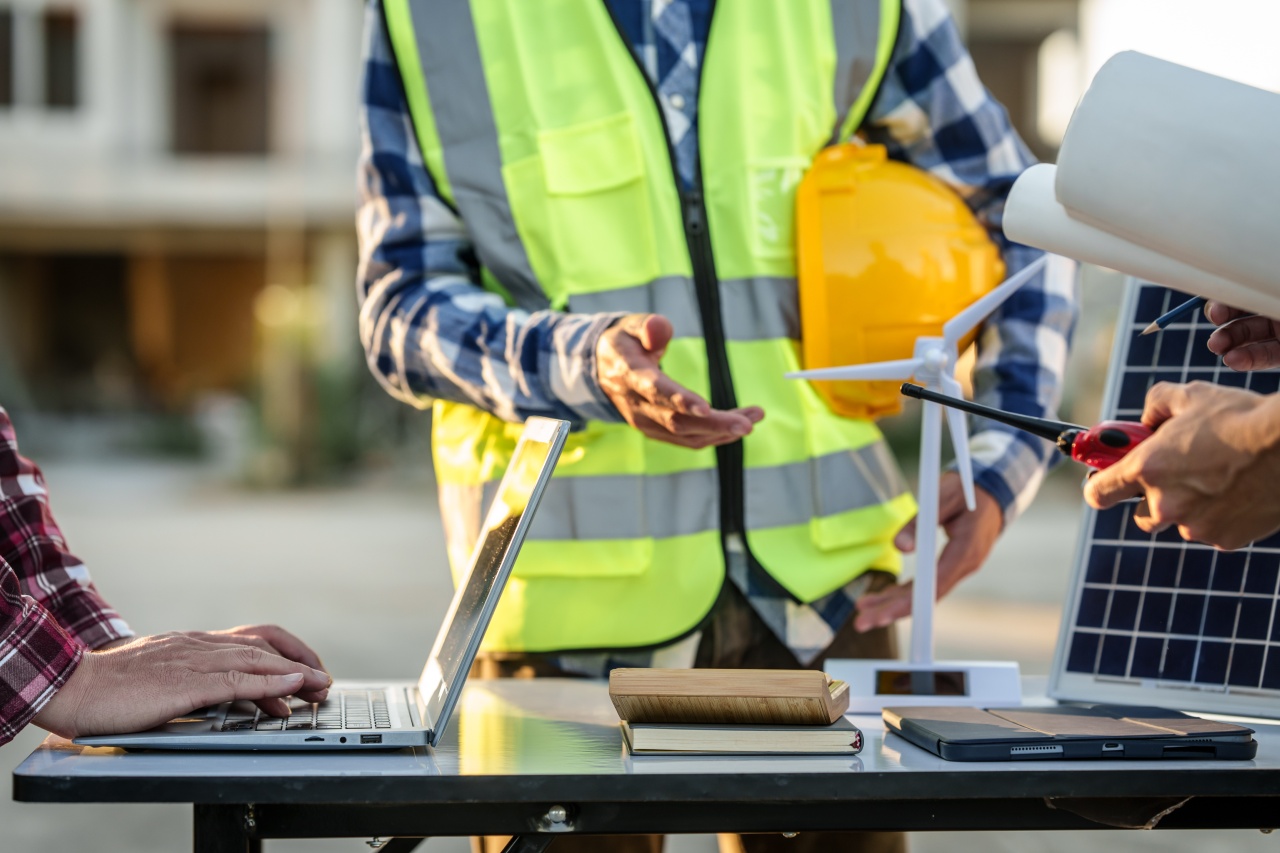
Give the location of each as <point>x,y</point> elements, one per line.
<point>771,194</point>
<point>583,209</point>
<point>589,158</point>
<point>584,558</point>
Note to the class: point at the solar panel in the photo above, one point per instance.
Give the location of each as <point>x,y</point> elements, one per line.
<point>1154,619</point>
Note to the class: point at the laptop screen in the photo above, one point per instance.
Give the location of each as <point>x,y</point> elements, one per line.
<point>477,594</point>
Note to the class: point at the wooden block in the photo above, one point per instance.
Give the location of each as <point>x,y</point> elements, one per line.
<point>728,696</point>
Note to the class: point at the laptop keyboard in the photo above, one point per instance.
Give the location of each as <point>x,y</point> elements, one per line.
<point>355,710</point>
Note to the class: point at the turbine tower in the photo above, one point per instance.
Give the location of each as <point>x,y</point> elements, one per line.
<point>933,366</point>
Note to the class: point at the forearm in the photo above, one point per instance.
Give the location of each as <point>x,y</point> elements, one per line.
<point>428,329</point>
<point>432,334</point>
<point>422,345</point>
<point>87,617</point>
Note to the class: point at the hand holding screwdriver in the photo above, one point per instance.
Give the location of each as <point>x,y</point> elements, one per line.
<point>1098,447</point>
<point>1211,469</point>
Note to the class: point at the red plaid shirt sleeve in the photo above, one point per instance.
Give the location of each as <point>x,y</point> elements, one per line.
<point>36,656</point>
<point>50,613</point>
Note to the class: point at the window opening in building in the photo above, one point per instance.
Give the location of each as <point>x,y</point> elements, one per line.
<point>66,330</point>
<point>61,58</point>
<point>6,56</point>
<point>220,92</point>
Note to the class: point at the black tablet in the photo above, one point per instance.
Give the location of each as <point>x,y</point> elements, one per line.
<point>1068,732</point>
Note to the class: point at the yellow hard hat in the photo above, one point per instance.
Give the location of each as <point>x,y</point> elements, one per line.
<point>887,253</point>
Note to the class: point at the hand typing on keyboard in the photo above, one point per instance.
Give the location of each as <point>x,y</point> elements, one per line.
<point>277,641</point>
<point>347,709</point>
<point>147,681</point>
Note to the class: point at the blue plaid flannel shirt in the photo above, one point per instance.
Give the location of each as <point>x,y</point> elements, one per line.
<point>429,332</point>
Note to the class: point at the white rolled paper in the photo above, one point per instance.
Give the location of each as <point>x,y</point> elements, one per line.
<point>1181,162</point>
<point>1033,216</point>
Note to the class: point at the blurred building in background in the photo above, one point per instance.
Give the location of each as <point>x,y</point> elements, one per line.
<point>1026,52</point>
<point>163,164</point>
<point>177,194</point>
<point>176,191</point>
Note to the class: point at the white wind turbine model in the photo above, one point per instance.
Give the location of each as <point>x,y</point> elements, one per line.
<point>923,680</point>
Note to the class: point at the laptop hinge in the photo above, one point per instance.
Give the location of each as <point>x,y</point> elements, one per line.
<point>413,698</point>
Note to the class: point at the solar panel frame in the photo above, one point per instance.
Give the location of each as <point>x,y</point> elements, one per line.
<point>1151,655</point>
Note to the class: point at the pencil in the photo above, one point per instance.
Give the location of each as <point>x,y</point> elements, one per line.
<point>1176,314</point>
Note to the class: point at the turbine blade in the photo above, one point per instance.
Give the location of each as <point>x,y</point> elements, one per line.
<point>904,369</point>
<point>968,319</point>
<point>958,426</point>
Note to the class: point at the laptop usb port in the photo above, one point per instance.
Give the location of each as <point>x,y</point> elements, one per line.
<point>371,738</point>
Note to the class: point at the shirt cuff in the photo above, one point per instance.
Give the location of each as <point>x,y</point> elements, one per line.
<point>571,366</point>
<point>89,619</point>
<point>38,658</point>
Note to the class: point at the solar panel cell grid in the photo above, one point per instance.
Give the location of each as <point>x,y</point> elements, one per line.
<point>1211,666</point>
<point>1271,673</point>
<point>1246,665</point>
<point>1157,609</point>
<point>1155,612</point>
<point>1261,578</point>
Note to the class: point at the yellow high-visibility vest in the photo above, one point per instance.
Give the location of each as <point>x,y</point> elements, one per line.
<point>539,126</point>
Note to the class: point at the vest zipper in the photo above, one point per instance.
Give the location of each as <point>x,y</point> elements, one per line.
<point>729,457</point>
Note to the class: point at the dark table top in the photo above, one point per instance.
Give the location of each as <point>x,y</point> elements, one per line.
<point>558,740</point>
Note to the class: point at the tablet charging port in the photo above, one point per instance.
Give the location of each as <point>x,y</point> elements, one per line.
<point>1113,747</point>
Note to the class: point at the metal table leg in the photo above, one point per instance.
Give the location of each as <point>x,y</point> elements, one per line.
<point>529,843</point>
<point>401,845</point>
<point>223,829</point>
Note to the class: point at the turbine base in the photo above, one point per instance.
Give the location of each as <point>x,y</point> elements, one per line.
<point>876,683</point>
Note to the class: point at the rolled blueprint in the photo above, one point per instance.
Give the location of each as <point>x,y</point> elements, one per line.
<point>1033,216</point>
<point>1180,162</point>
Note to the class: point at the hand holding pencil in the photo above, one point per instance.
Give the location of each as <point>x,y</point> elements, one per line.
<point>1245,341</point>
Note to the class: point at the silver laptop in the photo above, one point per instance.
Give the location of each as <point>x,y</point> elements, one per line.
<point>373,715</point>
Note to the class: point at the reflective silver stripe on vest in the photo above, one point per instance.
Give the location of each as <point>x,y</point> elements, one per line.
<point>625,506</point>
<point>752,309</point>
<point>672,296</point>
<point>451,64</point>
<point>760,309</point>
<point>828,485</point>
<point>856,24</point>
<point>666,505</point>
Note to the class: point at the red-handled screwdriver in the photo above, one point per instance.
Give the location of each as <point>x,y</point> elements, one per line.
<point>1098,447</point>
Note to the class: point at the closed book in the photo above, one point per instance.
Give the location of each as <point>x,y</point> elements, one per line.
<point>839,738</point>
<point>728,696</point>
